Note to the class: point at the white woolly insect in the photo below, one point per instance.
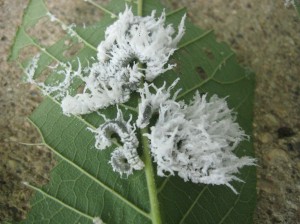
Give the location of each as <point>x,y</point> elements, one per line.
<point>197,141</point>
<point>105,85</point>
<point>128,41</point>
<point>145,39</point>
<point>150,103</point>
<point>127,135</point>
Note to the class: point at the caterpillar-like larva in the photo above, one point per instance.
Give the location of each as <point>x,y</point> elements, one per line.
<point>123,155</point>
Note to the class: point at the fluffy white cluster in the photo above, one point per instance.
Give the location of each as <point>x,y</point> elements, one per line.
<point>129,41</point>
<point>105,85</point>
<point>145,39</point>
<point>125,158</point>
<point>134,48</point>
<point>150,102</point>
<point>197,141</point>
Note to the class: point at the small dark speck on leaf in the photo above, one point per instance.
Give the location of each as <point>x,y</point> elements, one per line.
<point>209,53</point>
<point>284,132</point>
<point>201,72</point>
<point>3,38</point>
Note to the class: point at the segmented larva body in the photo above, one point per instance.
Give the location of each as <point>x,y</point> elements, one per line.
<point>127,135</point>
<point>120,163</point>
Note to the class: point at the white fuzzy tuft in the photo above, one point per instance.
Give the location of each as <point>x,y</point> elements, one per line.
<point>128,41</point>
<point>105,85</point>
<point>197,141</point>
<point>150,102</point>
<point>145,39</point>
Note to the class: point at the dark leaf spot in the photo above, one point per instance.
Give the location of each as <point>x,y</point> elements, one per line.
<point>209,54</point>
<point>201,72</point>
<point>73,49</point>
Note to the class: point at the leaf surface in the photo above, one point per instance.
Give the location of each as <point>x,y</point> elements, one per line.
<point>297,6</point>
<point>83,185</point>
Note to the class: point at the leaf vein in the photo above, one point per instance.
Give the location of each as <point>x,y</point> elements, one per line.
<point>102,8</point>
<point>80,38</point>
<point>176,187</point>
<point>104,186</point>
<point>193,204</point>
<point>195,39</point>
<point>230,82</point>
<point>175,11</point>
<point>206,80</point>
<point>235,202</point>
<point>53,198</point>
<point>162,186</point>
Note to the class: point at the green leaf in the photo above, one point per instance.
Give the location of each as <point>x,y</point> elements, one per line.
<point>83,185</point>
<point>33,13</point>
<point>297,6</point>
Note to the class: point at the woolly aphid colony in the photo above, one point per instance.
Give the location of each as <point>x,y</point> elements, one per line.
<point>196,141</point>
